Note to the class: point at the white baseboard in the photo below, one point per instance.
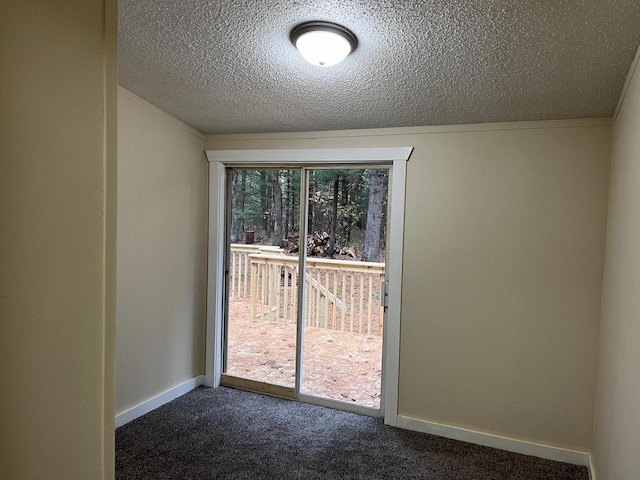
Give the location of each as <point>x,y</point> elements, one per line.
<point>157,401</point>
<point>489,440</point>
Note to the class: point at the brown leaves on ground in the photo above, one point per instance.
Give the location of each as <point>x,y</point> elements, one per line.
<point>337,365</point>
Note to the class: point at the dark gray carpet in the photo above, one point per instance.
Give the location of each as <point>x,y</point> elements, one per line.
<point>225,433</point>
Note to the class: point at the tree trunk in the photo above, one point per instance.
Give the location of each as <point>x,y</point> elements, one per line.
<point>371,249</point>
<point>238,193</point>
<point>345,202</point>
<point>294,213</point>
<point>287,209</point>
<point>264,201</point>
<point>235,208</point>
<point>311,204</point>
<point>243,201</point>
<point>277,208</point>
<point>334,217</point>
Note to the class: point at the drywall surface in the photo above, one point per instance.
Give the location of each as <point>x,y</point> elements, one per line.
<point>57,167</point>
<point>161,279</point>
<point>617,419</point>
<point>504,246</point>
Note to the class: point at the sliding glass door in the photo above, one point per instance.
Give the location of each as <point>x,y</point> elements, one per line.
<point>309,327</point>
<point>343,317</point>
<point>262,271</point>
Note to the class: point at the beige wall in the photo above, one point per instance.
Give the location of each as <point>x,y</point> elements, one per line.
<point>161,280</point>
<point>504,246</point>
<point>617,421</point>
<point>57,167</point>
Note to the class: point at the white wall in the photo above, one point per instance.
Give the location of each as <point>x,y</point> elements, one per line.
<point>616,445</point>
<point>161,262</point>
<point>504,247</point>
<point>57,238</point>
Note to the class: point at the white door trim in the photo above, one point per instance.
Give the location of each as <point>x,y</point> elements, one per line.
<point>394,156</point>
<point>215,274</point>
<point>395,256</point>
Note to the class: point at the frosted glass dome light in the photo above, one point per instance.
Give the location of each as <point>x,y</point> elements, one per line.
<point>323,44</point>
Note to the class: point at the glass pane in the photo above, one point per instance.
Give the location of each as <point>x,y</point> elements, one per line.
<point>263,275</point>
<point>342,351</point>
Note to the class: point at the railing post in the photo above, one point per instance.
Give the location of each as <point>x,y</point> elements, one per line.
<point>273,299</point>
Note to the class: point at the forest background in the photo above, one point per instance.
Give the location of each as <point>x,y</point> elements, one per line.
<point>347,211</point>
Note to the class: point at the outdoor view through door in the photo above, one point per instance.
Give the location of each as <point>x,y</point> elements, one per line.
<point>342,319</point>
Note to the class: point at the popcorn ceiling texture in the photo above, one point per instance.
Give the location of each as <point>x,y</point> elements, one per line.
<point>228,66</point>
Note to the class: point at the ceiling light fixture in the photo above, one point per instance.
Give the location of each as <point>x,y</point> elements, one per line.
<point>322,43</point>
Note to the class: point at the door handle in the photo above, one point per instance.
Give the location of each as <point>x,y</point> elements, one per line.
<point>384,294</point>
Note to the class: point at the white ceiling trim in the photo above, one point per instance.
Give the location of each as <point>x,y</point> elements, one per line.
<point>311,155</point>
<point>435,129</point>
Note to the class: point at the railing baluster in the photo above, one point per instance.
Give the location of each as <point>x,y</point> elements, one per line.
<point>286,295</point>
<point>370,301</point>
<point>308,284</point>
<point>344,300</point>
<point>236,280</point>
<point>294,294</point>
<point>238,274</point>
<point>361,295</point>
<point>254,290</point>
<point>276,291</point>
<point>316,320</point>
<point>264,296</point>
<point>273,303</point>
<point>238,260</point>
<point>245,257</point>
<point>322,321</point>
<point>233,274</point>
<point>351,317</point>
<point>334,319</point>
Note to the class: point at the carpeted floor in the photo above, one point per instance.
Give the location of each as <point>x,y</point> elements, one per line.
<point>225,433</point>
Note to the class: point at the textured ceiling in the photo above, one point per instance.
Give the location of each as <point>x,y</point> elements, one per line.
<point>228,65</point>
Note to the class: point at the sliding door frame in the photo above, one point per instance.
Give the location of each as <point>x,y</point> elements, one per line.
<point>395,158</point>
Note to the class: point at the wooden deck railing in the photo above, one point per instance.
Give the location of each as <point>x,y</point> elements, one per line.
<point>341,295</point>
<point>240,268</point>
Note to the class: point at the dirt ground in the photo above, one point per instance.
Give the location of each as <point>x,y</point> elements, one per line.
<point>336,365</point>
